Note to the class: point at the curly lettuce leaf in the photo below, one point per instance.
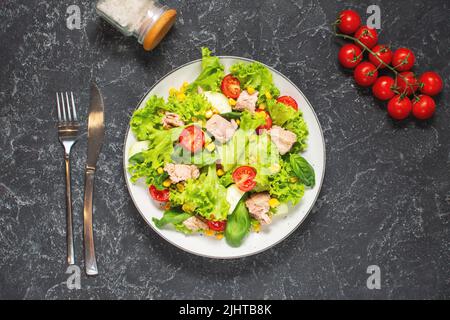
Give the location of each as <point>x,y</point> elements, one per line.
<point>251,121</point>
<point>193,105</point>
<point>145,163</point>
<point>205,196</point>
<point>257,76</point>
<point>290,119</point>
<point>211,75</point>
<point>285,185</point>
<point>148,119</point>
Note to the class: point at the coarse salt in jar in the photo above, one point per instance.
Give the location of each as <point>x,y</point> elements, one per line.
<point>147,20</point>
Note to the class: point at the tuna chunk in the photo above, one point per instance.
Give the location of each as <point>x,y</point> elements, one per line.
<point>181,172</point>
<point>171,120</point>
<point>221,128</point>
<point>258,207</point>
<point>283,139</point>
<point>246,101</point>
<point>195,224</point>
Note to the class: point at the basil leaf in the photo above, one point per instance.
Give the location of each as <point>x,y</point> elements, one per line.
<point>238,225</point>
<point>302,169</point>
<point>171,216</point>
<point>231,115</point>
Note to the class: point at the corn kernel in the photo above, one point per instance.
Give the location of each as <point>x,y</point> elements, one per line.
<point>232,102</point>
<point>209,114</point>
<point>167,206</point>
<point>180,187</point>
<point>250,90</point>
<point>257,227</point>
<point>238,122</point>
<point>209,233</point>
<point>219,236</point>
<point>293,180</point>
<point>184,86</point>
<point>210,147</point>
<point>194,119</point>
<point>160,170</point>
<point>167,183</point>
<point>173,91</point>
<point>181,96</point>
<point>215,111</point>
<point>262,106</point>
<point>220,172</point>
<point>268,95</point>
<point>273,203</point>
<point>187,208</point>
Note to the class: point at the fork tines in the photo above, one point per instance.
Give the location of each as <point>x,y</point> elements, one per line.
<point>66,107</point>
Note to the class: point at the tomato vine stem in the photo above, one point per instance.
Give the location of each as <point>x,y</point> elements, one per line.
<point>365,48</point>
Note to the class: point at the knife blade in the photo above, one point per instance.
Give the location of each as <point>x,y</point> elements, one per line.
<point>96,133</point>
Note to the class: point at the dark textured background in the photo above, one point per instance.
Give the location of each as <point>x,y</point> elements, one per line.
<point>386,195</point>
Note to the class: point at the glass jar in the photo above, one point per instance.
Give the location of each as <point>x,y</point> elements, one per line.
<point>147,20</point>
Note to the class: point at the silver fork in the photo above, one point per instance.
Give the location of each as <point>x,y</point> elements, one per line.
<point>68,132</point>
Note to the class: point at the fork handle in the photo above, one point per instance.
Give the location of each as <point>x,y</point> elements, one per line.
<point>89,251</point>
<point>69,225</point>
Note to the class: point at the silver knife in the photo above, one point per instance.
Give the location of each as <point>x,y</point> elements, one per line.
<point>96,133</point>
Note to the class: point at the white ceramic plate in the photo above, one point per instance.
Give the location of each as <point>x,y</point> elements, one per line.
<point>281,226</point>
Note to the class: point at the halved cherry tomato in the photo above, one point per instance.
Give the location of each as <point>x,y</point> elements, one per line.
<point>268,123</point>
<point>231,87</point>
<point>159,195</point>
<point>289,101</point>
<point>217,225</point>
<point>192,139</point>
<point>244,178</point>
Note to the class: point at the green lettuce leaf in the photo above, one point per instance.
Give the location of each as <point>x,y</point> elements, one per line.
<point>257,76</point>
<point>205,196</point>
<point>211,75</point>
<point>291,120</point>
<point>145,163</point>
<point>148,119</point>
<point>285,185</point>
<point>251,121</point>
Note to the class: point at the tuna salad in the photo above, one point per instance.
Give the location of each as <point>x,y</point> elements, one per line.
<point>222,154</point>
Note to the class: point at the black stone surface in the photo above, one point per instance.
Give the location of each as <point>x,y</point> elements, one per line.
<point>386,195</point>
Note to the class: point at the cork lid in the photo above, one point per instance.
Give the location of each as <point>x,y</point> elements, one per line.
<point>159,30</point>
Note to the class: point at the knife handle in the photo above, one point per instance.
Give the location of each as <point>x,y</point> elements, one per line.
<point>89,251</point>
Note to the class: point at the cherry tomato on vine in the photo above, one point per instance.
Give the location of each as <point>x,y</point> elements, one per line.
<point>368,36</point>
<point>289,101</point>
<point>407,83</point>
<point>159,195</point>
<point>231,87</point>
<point>403,59</point>
<point>349,56</point>
<point>384,53</point>
<point>349,21</point>
<point>217,225</point>
<point>430,83</point>
<point>244,177</point>
<point>268,123</point>
<point>423,107</point>
<point>383,88</point>
<point>192,138</point>
<point>399,107</point>
<point>365,74</point>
